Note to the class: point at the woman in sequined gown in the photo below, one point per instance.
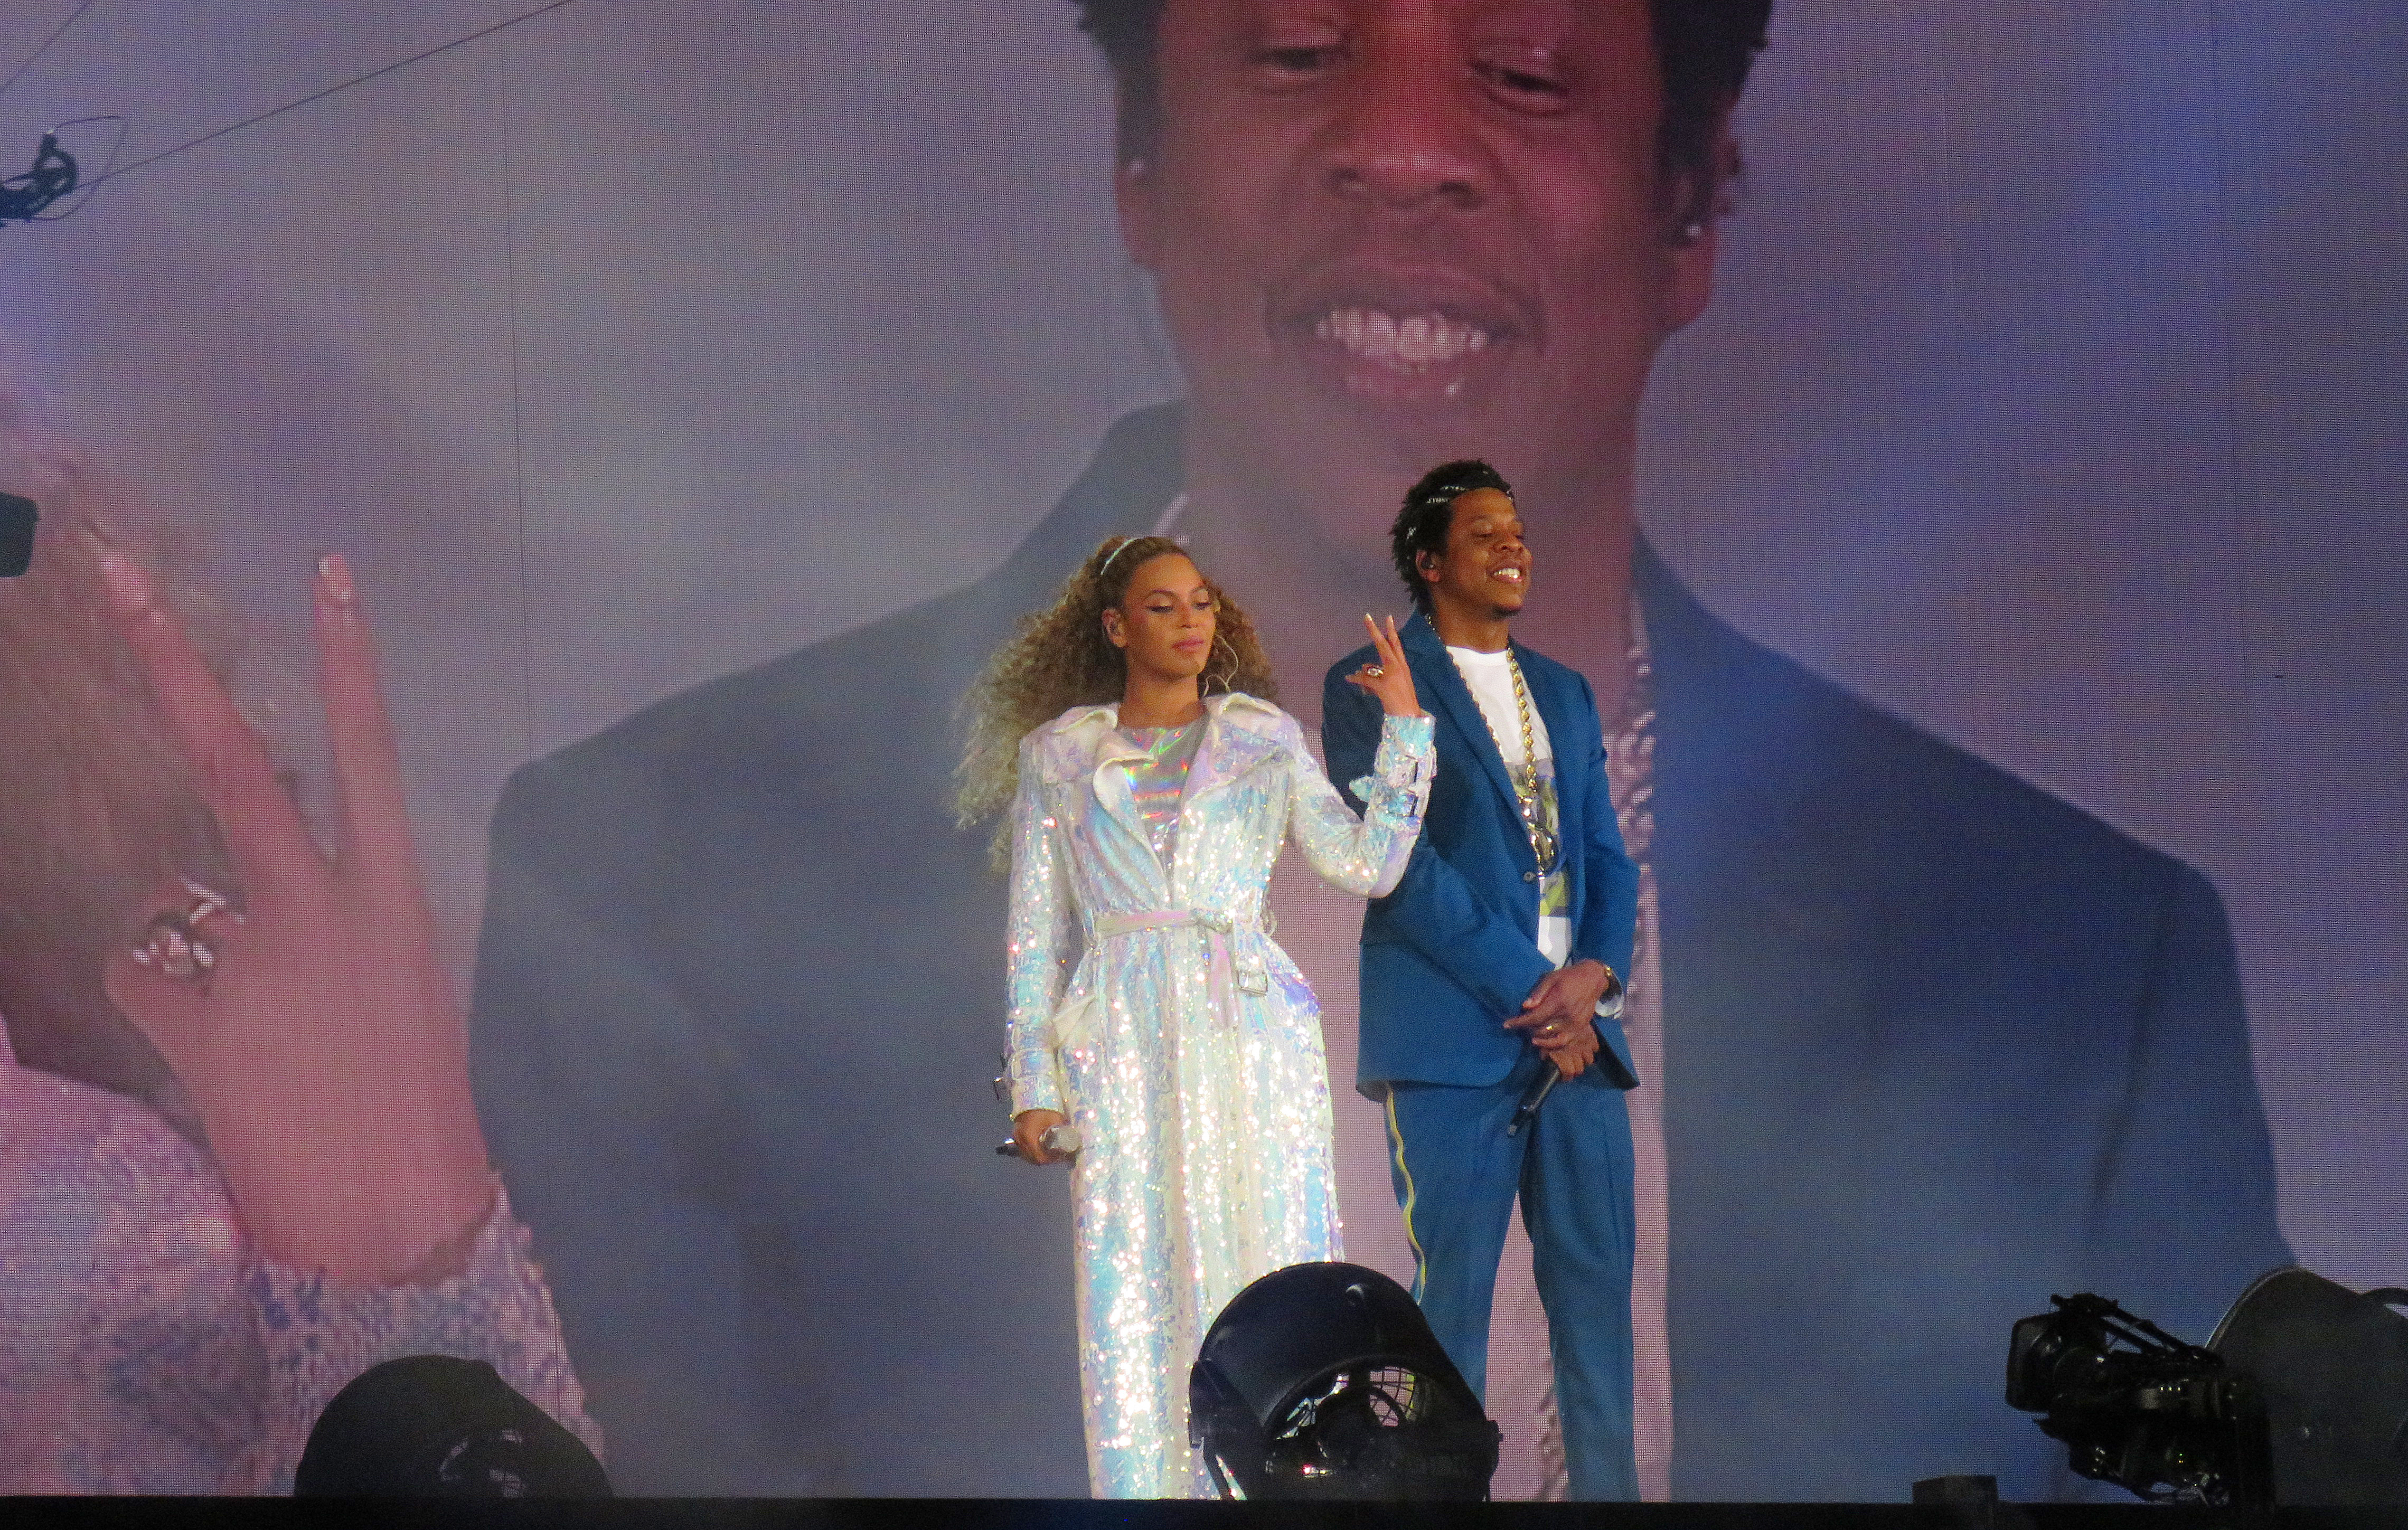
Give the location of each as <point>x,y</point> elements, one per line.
<point>1151,785</point>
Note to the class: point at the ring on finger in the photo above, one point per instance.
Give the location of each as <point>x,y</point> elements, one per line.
<point>1375,671</point>
<point>174,944</point>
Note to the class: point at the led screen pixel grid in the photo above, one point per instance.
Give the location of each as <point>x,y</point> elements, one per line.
<point>2049,399</point>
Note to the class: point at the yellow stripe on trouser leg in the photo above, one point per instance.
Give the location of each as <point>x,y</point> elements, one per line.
<point>1421,1261</point>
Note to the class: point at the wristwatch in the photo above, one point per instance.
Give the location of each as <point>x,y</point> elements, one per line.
<point>1609,1003</point>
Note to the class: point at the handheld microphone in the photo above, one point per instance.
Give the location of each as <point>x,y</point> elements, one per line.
<point>1533,1097</point>
<point>18,515</point>
<point>1062,1139</point>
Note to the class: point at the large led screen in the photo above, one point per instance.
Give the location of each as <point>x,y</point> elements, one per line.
<point>1999,477</point>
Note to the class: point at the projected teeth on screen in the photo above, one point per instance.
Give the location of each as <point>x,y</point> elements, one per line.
<point>1418,339</point>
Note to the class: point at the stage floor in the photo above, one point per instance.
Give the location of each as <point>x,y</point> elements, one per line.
<point>1043,1514</point>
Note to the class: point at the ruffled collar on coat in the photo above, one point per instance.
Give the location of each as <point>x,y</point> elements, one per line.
<point>1240,734</point>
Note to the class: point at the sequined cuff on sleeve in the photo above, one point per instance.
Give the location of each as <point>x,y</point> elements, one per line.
<point>1398,786</point>
<point>1035,1084</point>
<point>320,1335</point>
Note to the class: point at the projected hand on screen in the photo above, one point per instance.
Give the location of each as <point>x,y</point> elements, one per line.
<point>322,1047</point>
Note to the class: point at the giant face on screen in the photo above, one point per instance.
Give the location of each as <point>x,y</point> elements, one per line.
<point>1383,236</point>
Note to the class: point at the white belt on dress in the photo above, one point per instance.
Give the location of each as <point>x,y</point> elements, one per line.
<point>1217,928</point>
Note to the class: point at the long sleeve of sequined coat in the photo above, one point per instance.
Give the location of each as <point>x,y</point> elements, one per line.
<point>1365,856</point>
<point>1037,960</point>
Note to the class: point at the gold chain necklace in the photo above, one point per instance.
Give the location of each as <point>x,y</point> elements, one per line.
<point>1526,778</point>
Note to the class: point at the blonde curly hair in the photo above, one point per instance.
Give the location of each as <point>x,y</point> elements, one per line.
<point>1060,659</point>
<point>98,806</point>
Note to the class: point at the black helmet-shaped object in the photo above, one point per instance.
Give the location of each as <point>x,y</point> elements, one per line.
<point>1325,1381</point>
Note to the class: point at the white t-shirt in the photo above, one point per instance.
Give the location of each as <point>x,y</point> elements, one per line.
<point>1490,676</point>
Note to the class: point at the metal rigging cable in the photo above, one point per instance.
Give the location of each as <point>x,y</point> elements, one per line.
<point>377,72</point>
<point>55,174</point>
<point>56,32</point>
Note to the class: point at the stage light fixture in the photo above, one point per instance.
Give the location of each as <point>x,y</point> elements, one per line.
<point>432,1427</point>
<point>2137,1407</point>
<point>1324,1381</point>
<point>2332,1364</point>
<point>2300,1398</point>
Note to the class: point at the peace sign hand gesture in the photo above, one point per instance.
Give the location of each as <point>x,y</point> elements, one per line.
<point>1389,676</point>
<point>322,1047</point>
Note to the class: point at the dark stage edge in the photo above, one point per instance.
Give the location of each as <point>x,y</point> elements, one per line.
<point>1080,1514</point>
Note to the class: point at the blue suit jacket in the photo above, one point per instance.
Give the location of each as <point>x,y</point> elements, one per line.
<point>1449,955</point>
<point>1937,1045</point>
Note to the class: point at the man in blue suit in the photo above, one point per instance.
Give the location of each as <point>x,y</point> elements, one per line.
<point>1489,966</point>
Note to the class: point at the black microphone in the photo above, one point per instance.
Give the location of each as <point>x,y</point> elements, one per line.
<point>1062,1139</point>
<point>1533,1097</point>
<point>17,517</point>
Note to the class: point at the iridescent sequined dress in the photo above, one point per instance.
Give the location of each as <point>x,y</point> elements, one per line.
<point>1181,1041</point>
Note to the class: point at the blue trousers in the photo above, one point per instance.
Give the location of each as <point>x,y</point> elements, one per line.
<point>1457,1175</point>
